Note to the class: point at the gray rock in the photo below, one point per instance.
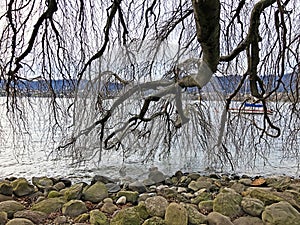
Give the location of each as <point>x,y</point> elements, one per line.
<point>148,182</point>
<point>281,213</point>
<point>42,183</point>
<point>20,221</point>
<point>248,220</point>
<point>122,200</point>
<point>238,187</point>
<point>156,206</point>
<point>228,203</point>
<point>176,214</point>
<point>34,216</point>
<point>3,218</point>
<point>95,193</point>
<point>5,198</point>
<point>103,179</point>
<point>156,176</point>
<point>246,181</point>
<point>252,206</point>
<point>60,220</point>
<point>113,188</point>
<point>137,186</point>
<point>11,207</point>
<point>59,186</point>
<point>74,208</point>
<point>6,188</point>
<point>199,184</point>
<point>215,218</point>
<point>21,187</point>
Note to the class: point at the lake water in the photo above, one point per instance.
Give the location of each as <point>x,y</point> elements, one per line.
<point>29,153</point>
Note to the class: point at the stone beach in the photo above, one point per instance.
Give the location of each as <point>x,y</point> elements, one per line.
<point>182,199</point>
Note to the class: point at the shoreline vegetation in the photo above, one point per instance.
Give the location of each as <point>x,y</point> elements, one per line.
<point>182,199</point>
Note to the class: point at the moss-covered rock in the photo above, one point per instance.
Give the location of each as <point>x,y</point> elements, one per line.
<point>206,206</point>
<point>82,218</point>
<point>73,192</point>
<point>49,205</point>
<point>228,203</point>
<point>95,193</point>
<point>281,213</point>
<point>42,183</point>
<point>54,194</point>
<point>127,216</point>
<point>10,207</point>
<point>176,214</point>
<point>203,196</point>
<point>194,216</point>
<point>252,206</point>
<point>266,196</point>
<point>21,187</point>
<point>131,196</point>
<point>142,210</point>
<point>248,220</point>
<point>3,218</point>
<point>215,218</point>
<point>20,221</point>
<point>35,216</point>
<point>6,188</point>
<point>154,221</point>
<point>74,208</point>
<point>98,218</point>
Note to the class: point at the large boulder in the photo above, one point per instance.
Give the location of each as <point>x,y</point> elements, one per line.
<point>215,218</point>
<point>156,176</point>
<point>228,203</point>
<point>49,205</point>
<point>127,216</point>
<point>98,218</point>
<point>252,206</point>
<point>281,213</point>
<point>11,207</point>
<point>156,206</point>
<point>21,187</point>
<point>74,208</point>
<point>176,214</point>
<point>95,193</point>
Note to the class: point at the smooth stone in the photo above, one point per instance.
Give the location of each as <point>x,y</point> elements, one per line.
<point>59,186</point>
<point>74,208</point>
<point>238,187</point>
<point>148,182</point>
<point>247,220</point>
<point>11,207</point>
<point>215,218</point>
<point>281,213</point>
<point>60,220</point>
<point>20,221</point>
<point>35,216</point>
<point>5,198</point>
<point>246,181</point>
<point>3,218</point>
<point>54,194</point>
<point>266,196</point>
<point>156,206</point>
<point>67,182</point>
<point>95,193</point>
<point>176,214</point>
<point>122,200</point>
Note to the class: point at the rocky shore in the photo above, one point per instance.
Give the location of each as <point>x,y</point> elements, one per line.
<point>183,199</point>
